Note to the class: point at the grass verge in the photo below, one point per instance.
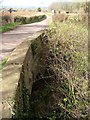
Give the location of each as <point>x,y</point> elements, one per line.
<point>8,27</point>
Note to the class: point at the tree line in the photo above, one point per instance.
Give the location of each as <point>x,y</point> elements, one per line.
<point>70,6</point>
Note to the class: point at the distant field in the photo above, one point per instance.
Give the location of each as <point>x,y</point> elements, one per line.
<point>21,13</point>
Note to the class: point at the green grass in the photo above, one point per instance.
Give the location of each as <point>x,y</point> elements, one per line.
<point>2,64</point>
<point>8,27</point>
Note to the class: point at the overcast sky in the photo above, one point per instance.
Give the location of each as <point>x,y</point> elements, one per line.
<point>36,3</point>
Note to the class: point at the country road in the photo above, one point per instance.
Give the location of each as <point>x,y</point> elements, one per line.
<point>11,39</point>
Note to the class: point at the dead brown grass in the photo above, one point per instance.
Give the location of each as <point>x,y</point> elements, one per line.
<point>21,13</point>
<point>59,17</point>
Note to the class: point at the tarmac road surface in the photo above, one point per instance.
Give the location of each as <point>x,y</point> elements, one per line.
<point>11,39</point>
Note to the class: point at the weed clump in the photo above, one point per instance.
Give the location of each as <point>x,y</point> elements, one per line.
<point>61,91</point>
